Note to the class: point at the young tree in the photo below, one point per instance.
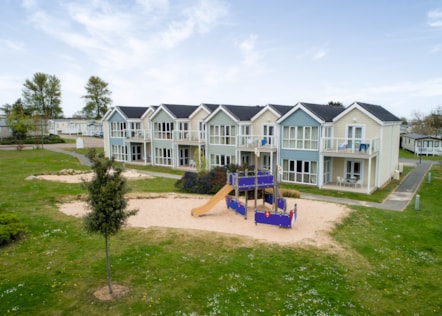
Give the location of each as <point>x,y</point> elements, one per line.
<point>97,98</point>
<point>18,120</point>
<point>106,201</point>
<point>42,95</point>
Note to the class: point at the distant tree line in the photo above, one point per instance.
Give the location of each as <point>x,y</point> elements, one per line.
<point>430,124</point>
<point>41,101</point>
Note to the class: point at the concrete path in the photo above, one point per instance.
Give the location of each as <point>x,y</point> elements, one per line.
<point>397,200</point>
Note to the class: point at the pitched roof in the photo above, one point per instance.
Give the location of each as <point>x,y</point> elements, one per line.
<point>132,111</point>
<point>380,112</point>
<point>242,112</point>
<point>322,111</point>
<point>209,106</point>
<point>180,110</point>
<point>281,109</point>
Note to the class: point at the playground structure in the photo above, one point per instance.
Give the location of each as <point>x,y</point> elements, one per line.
<point>253,183</point>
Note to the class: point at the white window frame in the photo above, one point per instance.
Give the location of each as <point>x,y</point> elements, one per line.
<point>300,137</point>
<point>304,171</point>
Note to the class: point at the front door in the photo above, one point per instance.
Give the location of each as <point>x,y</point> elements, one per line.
<point>136,152</point>
<point>327,169</point>
<point>265,161</point>
<point>184,156</point>
<point>353,169</point>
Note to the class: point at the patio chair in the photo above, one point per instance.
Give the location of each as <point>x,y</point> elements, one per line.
<point>339,181</point>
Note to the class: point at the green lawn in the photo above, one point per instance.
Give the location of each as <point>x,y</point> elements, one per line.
<point>409,155</point>
<point>385,262</point>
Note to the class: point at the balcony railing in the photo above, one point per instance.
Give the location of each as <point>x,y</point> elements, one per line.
<point>138,134</point>
<point>189,136</point>
<point>350,145</point>
<point>429,151</point>
<point>257,141</point>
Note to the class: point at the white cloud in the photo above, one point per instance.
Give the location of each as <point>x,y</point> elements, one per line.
<point>426,88</point>
<point>436,49</point>
<point>435,18</point>
<point>14,46</point>
<point>319,54</point>
<point>152,5</point>
<point>29,4</point>
<point>314,52</point>
<point>200,18</point>
<point>247,47</point>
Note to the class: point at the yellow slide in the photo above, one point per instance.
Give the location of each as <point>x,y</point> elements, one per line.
<point>197,211</point>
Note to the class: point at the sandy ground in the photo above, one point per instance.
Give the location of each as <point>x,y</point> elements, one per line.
<point>66,177</point>
<point>315,218</point>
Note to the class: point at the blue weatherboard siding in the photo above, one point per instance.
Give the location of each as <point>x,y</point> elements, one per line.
<point>299,118</point>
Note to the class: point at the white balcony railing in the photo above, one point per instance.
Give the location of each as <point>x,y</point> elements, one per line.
<point>189,136</point>
<point>429,151</point>
<point>256,141</point>
<point>347,145</point>
<point>138,134</point>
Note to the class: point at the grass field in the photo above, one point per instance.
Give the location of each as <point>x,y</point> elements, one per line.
<point>386,263</point>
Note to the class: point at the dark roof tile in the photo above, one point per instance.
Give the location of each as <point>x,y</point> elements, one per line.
<point>133,111</point>
<point>281,109</point>
<point>379,111</point>
<point>242,112</point>
<point>180,110</point>
<point>322,111</point>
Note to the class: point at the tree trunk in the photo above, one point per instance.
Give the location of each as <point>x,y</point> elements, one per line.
<point>109,277</point>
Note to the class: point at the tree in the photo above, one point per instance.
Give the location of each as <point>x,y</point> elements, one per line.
<point>434,121</point>
<point>404,120</point>
<point>418,124</point>
<point>332,103</point>
<point>106,201</point>
<point>97,98</point>
<point>18,120</point>
<point>42,95</point>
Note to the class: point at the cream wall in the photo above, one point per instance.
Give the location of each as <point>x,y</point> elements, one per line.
<point>356,117</point>
<point>388,133</point>
<point>389,152</point>
<point>267,117</point>
<point>197,117</point>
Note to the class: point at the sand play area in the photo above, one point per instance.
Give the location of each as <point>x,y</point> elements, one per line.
<point>315,219</point>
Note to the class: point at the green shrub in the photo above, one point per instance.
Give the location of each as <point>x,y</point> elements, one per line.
<point>10,228</point>
<point>205,182</point>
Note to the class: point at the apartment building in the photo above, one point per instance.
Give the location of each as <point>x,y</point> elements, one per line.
<point>353,148</point>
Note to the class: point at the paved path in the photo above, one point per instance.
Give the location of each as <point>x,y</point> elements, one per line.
<point>397,200</point>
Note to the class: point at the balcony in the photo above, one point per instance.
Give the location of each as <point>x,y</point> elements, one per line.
<point>346,146</point>
<point>189,137</point>
<point>262,142</point>
<point>139,135</point>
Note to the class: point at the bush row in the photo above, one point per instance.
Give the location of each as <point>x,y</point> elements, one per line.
<point>205,182</point>
<point>49,139</point>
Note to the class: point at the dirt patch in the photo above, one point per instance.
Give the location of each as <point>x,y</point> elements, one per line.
<point>78,176</point>
<point>118,291</point>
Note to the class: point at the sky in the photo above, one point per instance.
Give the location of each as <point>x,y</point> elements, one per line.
<point>244,52</point>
